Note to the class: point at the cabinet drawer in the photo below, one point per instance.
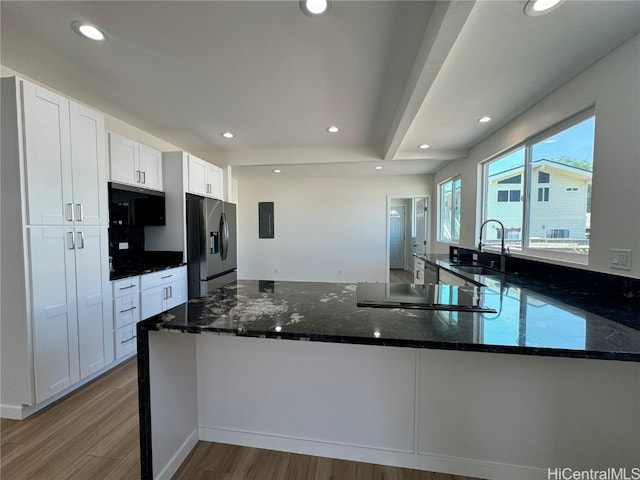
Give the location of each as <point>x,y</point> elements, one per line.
<point>126,286</point>
<point>164,277</point>
<point>126,309</point>
<point>125,341</point>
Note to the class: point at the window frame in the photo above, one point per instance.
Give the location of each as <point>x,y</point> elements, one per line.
<point>441,190</point>
<point>528,187</point>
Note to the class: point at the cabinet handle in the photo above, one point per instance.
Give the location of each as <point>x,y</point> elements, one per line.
<point>127,309</point>
<point>137,176</point>
<point>165,292</point>
<point>125,288</point>
<point>127,340</point>
<point>71,240</point>
<point>80,212</point>
<point>166,276</point>
<point>144,177</point>
<point>70,212</point>
<point>81,242</point>
<point>170,291</point>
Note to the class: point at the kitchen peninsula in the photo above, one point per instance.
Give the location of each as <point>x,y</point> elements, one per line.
<point>490,395</point>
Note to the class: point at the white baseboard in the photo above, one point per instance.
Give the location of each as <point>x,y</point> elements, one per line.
<point>20,412</point>
<point>171,467</point>
<point>428,462</point>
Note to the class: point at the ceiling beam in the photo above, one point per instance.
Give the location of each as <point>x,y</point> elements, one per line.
<point>445,24</point>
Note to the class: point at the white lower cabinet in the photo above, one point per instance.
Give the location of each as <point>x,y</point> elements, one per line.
<point>125,340</point>
<point>70,306</point>
<point>140,297</point>
<point>160,291</point>
<point>126,313</point>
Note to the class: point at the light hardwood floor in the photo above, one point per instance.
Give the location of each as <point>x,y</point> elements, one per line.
<point>93,434</point>
<point>398,275</point>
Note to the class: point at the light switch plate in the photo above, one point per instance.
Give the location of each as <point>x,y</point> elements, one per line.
<point>621,259</point>
<point>123,246</point>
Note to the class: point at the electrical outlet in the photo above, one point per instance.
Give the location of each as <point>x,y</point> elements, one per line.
<point>123,246</point>
<point>276,270</point>
<point>621,259</point>
<point>339,271</point>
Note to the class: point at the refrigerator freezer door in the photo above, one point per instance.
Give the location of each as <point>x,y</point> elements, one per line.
<point>213,234</point>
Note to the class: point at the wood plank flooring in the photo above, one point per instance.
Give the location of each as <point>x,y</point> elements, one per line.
<point>398,275</point>
<point>93,434</point>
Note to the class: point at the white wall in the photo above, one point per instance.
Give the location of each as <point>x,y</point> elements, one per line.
<point>322,225</point>
<point>613,86</point>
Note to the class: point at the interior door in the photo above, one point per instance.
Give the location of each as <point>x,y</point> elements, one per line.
<point>397,218</point>
<point>421,216</point>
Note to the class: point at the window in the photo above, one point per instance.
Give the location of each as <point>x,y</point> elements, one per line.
<point>449,210</point>
<point>543,194</point>
<point>559,161</point>
<point>508,195</point>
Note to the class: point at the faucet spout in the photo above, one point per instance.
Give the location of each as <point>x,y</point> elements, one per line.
<point>502,248</point>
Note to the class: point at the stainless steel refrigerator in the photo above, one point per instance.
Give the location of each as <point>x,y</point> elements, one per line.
<point>211,244</point>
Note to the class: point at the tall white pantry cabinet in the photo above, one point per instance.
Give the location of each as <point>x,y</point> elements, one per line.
<point>56,311</point>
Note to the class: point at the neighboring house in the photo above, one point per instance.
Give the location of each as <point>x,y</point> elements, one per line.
<point>559,204</point>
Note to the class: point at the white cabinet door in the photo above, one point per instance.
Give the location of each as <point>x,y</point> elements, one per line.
<point>134,164</point>
<point>47,154</point>
<point>93,298</point>
<point>213,181</point>
<point>204,178</point>
<point>88,166</point>
<point>151,302</point>
<point>55,327</point>
<point>123,159</point>
<point>150,166</point>
<point>197,176</point>
<point>175,294</point>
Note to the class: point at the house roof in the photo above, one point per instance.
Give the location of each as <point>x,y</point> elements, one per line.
<point>544,164</point>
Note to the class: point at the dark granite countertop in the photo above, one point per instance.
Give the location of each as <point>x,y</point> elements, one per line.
<point>526,322</point>
<point>132,271</point>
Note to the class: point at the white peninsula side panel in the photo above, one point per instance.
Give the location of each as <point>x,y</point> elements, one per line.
<point>483,415</point>
<point>306,397</point>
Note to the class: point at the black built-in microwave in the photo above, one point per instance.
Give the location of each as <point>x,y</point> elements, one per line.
<point>135,206</point>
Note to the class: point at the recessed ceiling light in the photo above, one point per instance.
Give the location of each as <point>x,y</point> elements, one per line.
<point>315,8</point>
<point>277,171</point>
<point>227,135</point>
<point>89,31</point>
<point>540,7</point>
<point>484,119</point>
<point>377,167</point>
<point>424,146</point>
<point>333,129</point>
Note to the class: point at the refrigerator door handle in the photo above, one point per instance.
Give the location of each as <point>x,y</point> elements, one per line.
<point>224,228</point>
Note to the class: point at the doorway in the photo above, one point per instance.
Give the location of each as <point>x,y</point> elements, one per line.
<point>407,234</point>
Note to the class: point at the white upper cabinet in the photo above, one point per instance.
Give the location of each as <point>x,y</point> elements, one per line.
<point>64,159</point>
<point>89,166</point>
<point>134,164</point>
<point>204,178</point>
<point>150,162</point>
<point>47,153</point>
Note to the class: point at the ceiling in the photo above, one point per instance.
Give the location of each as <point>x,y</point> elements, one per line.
<point>390,74</point>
